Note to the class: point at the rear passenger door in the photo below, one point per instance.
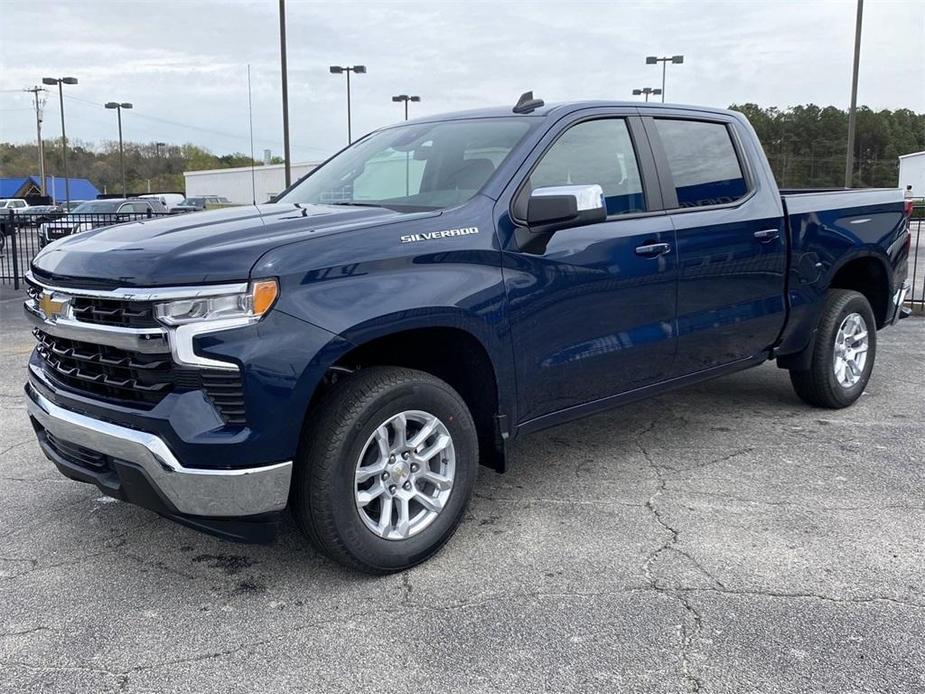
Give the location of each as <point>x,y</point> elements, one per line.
<point>731,247</point>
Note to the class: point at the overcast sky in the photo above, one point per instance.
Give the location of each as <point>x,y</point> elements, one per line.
<point>184,64</point>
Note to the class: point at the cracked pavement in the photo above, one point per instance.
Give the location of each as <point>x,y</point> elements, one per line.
<point>724,538</point>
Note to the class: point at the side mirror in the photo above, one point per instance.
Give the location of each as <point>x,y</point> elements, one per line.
<point>566,206</point>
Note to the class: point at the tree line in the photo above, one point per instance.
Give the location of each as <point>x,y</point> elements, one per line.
<point>806,146</point>
<point>147,166</point>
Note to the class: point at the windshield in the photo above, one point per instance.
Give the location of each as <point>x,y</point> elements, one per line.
<point>98,206</point>
<point>422,166</point>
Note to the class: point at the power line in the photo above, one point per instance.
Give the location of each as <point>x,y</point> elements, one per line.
<point>210,131</point>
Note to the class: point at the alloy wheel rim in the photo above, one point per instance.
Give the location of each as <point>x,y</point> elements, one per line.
<point>404,475</point>
<point>851,345</point>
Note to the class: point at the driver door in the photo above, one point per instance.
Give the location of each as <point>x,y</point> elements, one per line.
<point>592,314</point>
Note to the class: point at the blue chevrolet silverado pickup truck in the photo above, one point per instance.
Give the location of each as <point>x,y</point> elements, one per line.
<point>354,350</point>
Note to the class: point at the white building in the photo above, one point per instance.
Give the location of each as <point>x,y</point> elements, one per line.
<point>236,185</point>
<point>912,173</point>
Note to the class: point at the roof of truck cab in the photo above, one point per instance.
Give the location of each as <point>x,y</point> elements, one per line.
<point>560,108</point>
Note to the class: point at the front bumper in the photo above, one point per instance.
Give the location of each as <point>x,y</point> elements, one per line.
<point>139,467</point>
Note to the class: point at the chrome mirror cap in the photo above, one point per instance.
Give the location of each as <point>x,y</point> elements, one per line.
<point>587,197</point>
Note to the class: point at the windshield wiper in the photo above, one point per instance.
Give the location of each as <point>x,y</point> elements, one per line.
<point>351,203</point>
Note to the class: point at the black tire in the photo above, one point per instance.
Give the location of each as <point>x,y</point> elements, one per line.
<point>323,490</point>
<point>818,385</point>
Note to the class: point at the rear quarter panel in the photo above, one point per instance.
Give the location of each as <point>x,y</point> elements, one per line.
<point>828,230</point>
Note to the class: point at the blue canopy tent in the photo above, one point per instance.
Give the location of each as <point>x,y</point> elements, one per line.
<point>29,186</point>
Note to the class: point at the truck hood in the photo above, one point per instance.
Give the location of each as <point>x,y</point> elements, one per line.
<point>214,246</point>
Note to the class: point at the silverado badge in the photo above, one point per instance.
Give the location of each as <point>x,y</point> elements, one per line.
<point>434,235</point>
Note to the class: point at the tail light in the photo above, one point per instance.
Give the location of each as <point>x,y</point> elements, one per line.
<point>908,207</point>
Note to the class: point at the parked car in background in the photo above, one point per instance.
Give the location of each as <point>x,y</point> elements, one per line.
<point>170,200</point>
<point>15,204</point>
<point>98,213</point>
<point>36,215</point>
<point>201,202</point>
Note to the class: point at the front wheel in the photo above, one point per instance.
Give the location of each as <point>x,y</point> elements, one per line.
<point>386,468</point>
<point>843,353</point>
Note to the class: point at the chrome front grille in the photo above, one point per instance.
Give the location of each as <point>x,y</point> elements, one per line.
<point>108,345</point>
<point>135,379</point>
<point>125,314</point>
<point>106,372</point>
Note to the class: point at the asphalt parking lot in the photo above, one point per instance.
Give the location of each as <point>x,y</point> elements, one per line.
<point>726,538</point>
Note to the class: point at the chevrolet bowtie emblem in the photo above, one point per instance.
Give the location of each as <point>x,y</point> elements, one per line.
<point>51,307</point>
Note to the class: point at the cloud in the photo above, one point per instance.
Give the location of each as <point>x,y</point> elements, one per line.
<point>183,64</point>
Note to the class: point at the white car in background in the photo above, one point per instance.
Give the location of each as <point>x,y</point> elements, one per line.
<point>15,204</point>
<point>170,200</point>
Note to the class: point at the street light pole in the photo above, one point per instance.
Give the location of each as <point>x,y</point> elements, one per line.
<point>653,60</point>
<point>405,98</point>
<point>285,78</point>
<point>119,106</point>
<point>852,111</point>
<point>62,81</point>
<point>647,91</point>
<point>337,70</point>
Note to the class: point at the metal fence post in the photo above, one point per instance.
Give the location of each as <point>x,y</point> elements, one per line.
<point>14,249</point>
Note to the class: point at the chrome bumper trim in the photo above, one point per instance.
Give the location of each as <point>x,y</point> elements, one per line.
<point>146,294</point>
<point>215,493</point>
<point>145,340</point>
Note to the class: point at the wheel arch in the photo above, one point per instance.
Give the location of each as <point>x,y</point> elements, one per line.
<point>444,349</point>
<point>869,274</point>
<point>866,272</point>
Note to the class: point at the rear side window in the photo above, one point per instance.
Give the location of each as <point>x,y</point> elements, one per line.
<point>597,151</point>
<point>703,162</point>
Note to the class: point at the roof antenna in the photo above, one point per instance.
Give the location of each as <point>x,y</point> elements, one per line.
<point>526,103</point>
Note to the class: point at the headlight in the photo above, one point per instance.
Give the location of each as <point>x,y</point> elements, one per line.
<point>254,303</point>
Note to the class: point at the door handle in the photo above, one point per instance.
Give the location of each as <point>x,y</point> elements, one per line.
<point>651,250</point>
<point>767,235</point>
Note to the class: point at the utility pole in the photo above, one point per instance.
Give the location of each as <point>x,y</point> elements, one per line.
<point>38,130</point>
<point>285,74</point>
<point>852,112</point>
<point>60,81</point>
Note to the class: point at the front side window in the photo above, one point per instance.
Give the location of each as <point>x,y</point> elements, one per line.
<point>420,166</point>
<point>702,161</point>
<point>597,151</point>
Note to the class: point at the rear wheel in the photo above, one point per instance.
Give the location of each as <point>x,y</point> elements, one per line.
<point>386,469</point>
<point>843,353</point>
